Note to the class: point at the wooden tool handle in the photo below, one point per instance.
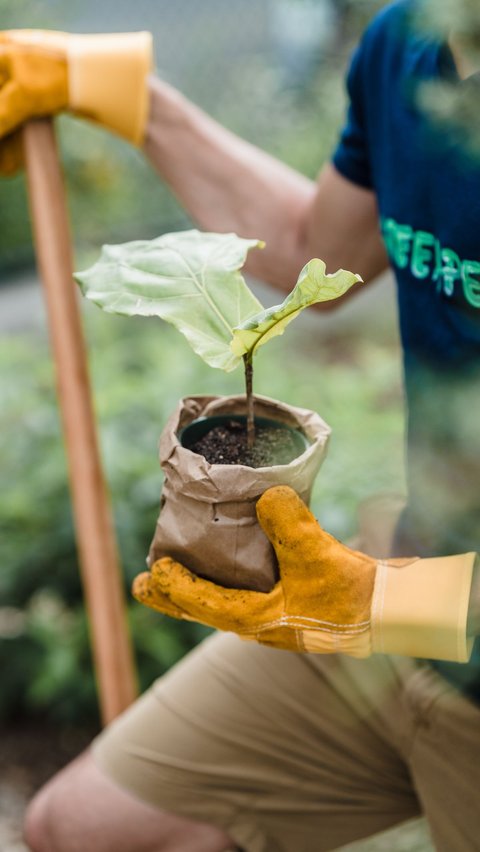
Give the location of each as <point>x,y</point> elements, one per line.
<point>93,521</point>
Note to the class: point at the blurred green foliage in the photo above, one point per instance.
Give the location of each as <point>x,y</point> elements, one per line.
<point>454,107</point>
<point>140,369</point>
<point>113,193</point>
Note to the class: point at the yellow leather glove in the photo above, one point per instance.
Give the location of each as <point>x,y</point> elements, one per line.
<point>100,77</point>
<point>11,154</point>
<point>329,598</point>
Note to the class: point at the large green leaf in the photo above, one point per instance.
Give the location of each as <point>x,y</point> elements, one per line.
<point>189,278</point>
<point>313,285</point>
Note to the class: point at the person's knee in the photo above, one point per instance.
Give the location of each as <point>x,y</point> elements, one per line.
<point>35,828</point>
<point>47,817</point>
<point>81,808</point>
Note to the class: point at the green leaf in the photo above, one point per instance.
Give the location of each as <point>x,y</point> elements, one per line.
<point>313,285</point>
<point>189,279</point>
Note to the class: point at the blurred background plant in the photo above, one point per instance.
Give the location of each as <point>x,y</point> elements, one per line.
<point>271,70</point>
<point>268,69</point>
<point>139,369</point>
<point>454,107</point>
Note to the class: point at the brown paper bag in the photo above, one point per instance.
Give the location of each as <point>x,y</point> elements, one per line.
<point>207,515</point>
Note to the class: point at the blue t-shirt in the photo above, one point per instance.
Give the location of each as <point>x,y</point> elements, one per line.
<point>428,191</point>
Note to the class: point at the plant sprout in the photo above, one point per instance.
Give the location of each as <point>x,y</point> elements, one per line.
<point>192,280</point>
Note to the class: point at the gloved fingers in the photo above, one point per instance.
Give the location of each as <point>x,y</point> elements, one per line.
<point>305,552</point>
<point>145,591</point>
<point>11,154</point>
<point>5,74</point>
<point>283,515</point>
<point>237,610</point>
<point>12,107</point>
<point>33,82</point>
<point>293,531</point>
<point>8,90</point>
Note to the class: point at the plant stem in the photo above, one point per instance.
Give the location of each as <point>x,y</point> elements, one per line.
<point>247,360</point>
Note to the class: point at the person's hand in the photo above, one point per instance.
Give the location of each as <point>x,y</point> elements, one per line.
<point>11,153</point>
<point>100,77</point>
<point>329,598</point>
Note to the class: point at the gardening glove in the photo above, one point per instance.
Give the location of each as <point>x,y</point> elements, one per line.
<point>329,598</point>
<point>11,153</point>
<point>101,77</point>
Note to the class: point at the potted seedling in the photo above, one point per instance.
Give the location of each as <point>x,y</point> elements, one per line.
<point>219,454</point>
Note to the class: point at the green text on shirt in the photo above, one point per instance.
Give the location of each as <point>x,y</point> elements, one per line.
<point>426,258</point>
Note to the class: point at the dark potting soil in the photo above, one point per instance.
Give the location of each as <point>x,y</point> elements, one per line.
<point>227,444</point>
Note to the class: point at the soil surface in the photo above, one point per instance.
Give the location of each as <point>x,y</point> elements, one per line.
<point>227,444</point>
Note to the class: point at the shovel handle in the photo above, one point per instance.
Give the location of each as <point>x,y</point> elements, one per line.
<point>96,544</point>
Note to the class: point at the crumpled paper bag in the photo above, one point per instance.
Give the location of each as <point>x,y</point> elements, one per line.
<point>207,515</point>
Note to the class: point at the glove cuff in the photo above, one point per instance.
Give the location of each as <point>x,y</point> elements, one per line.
<point>421,609</point>
<point>107,80</point>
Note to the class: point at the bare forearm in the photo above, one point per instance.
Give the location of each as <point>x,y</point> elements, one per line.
<point>226,184</point>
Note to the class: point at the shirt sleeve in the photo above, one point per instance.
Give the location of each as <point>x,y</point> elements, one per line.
<point>351,157</point>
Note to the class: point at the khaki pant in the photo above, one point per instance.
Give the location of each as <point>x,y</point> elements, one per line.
<point>301,753</point>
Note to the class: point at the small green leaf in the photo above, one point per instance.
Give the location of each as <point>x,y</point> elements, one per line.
<point>189,279</point>
<point>314,285</point>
